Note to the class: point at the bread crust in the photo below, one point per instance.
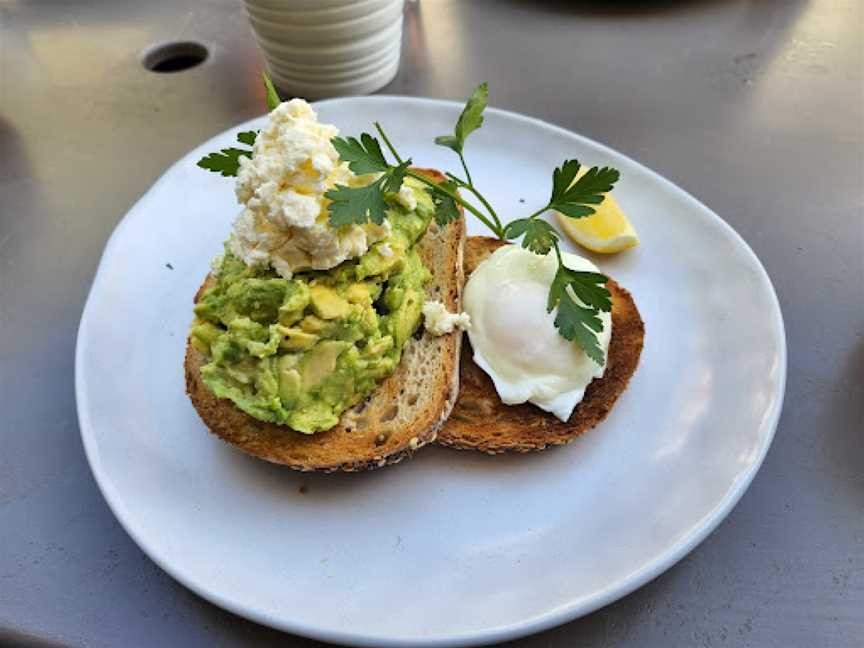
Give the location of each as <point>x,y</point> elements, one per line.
<point>480,421</point>
<point>402,415</point>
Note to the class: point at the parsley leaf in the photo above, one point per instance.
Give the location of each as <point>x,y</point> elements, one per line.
<point>516,228</point>
<point>589,287</point>
<point>446,209</point>
<point>573,198</point>
<point>577,324</point>
<point>562,178</point>
<point>226,161</point>
<point>363,155</point>
<point>574,321</point>
<point>272,97</point>
<point>539,238</point>
<point>247,137</point>
<point>394,176</point>
<point>470,120</point>
<point>356,205</point>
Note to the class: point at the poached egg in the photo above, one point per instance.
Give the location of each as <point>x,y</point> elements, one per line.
<point>515,340</point>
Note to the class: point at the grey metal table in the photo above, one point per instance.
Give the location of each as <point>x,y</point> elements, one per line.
<point>753,106</point>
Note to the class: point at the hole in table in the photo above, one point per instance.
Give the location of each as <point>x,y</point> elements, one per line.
<point>173,57</point>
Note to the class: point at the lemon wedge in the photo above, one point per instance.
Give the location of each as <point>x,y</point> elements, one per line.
<point>607,230</point>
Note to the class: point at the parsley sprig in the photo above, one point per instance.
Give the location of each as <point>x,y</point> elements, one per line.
<point>575,321</point>
<point>357,205</point>
<point>227,161</point>
<point>270,94</point>
<point>579,296</point>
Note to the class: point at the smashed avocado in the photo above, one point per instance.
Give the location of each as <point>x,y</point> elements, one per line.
<point>301,351</point>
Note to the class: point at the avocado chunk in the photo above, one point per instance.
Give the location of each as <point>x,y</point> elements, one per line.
<point>289,379</point>
<point>288,361</point>
<point>393,297</point>
<point>204,334</point>
<point>289,386</point>
<point>226,350</point>
<point>297,340</point>
<point>244,371</point>
<point>326,304</point>
<point>376,262</point>
<point>296,300</point>
<point>313,416</point>
<point>357,293</point>
<point>257,339</point>
<point>405,320</point>
<point>258,299</point>
<point>266,380</point>
<point>320,361</point>
<point>378,347</point>
<point>369,319</point>
<point>316,325</point>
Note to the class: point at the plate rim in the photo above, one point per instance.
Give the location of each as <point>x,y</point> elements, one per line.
<point>539,622</point>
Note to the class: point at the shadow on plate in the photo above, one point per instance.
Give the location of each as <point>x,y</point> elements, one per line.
<point>428,464</point>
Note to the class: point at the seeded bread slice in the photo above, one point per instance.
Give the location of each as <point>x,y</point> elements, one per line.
<point>480,421</point>
<point>403,414</point>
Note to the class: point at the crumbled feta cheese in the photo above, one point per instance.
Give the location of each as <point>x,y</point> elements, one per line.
<point>284,222</point>
<point>438,320</point>
<point>406,198</point>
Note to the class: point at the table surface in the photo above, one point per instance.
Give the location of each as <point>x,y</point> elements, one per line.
<point>753,106</point>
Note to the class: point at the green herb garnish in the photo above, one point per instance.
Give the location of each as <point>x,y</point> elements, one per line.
<point>359,205</point>
<point>227,161</point>
<point>272,97</point>
<point>579,296</point>
<point>573,321</point>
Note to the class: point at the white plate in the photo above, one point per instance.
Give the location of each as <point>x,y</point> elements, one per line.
<point>448,548</point>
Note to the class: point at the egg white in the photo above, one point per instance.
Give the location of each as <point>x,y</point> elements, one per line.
<point>515,340</point>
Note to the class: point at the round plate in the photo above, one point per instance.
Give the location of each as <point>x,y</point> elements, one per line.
<point>449,548</point>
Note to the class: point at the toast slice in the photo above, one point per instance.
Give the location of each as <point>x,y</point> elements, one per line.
<point>403,414</point>
<point>480,421</point>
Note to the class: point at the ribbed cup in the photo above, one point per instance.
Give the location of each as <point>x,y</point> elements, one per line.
<point>325,48</point>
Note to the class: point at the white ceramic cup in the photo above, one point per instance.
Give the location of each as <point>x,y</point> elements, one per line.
<point>358,66</point>
<point>355,86</point>
<point>326,48</point>
<point>317,16</point>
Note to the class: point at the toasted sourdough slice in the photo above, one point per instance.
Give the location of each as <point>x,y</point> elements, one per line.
<point>403,414</point>
<point>480,421</point>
